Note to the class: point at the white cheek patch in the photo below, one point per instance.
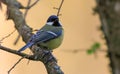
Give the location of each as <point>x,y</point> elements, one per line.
<point>49,23</point>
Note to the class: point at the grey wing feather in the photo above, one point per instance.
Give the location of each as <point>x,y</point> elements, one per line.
<point>44,36</point>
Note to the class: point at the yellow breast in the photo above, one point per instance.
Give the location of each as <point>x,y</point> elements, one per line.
<point>54,43</point>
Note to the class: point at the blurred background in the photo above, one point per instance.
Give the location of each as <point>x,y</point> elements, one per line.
<point>81,31</point>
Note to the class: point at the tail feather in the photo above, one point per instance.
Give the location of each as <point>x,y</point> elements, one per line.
<point>25,47</point>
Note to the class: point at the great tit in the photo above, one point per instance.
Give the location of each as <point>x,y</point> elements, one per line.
<point>49,36</point>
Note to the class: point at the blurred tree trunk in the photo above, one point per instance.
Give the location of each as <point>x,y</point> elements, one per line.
<point>109,13</point>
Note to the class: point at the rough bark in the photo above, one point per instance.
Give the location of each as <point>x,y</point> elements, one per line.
<point>13,11</point>
<point>109,13</point>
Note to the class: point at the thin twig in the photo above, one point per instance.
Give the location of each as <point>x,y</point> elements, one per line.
<point>58,13</point>
<point>7,36</point>
<point>33,4</point>
<point>25,14</point>
<point>83,50</point>
<point>15,65</point>
<point>28,59</point>
<point>16,40</point>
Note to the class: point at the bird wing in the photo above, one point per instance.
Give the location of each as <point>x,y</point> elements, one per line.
<point>44,36</point>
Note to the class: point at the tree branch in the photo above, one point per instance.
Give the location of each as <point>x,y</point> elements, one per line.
<point>26,32</point>
<point>31,57</point>
<point>25,14</point>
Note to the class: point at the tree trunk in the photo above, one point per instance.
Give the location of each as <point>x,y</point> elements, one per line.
<point>109,12</point>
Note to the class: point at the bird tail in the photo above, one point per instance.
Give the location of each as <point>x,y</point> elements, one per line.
<point>26,46</point>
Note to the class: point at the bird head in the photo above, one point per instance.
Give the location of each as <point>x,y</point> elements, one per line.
<point>53,20</point>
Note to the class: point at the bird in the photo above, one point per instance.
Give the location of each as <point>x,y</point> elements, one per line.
<point>50,36</point>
